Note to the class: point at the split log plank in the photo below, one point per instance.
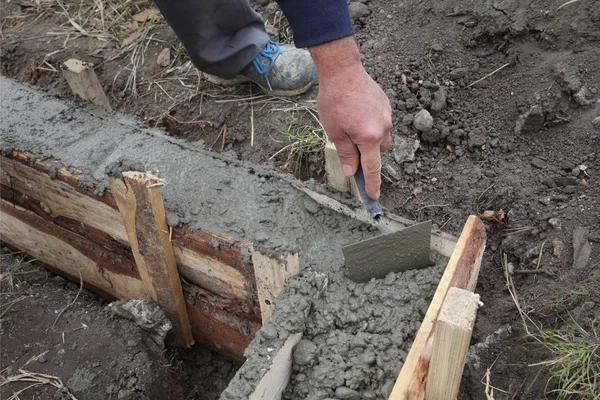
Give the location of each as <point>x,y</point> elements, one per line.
<point>211,274</point>
<point>461,272</point>
<point>140,203</point>
<point>58,198</point>
<point>335,175</point>
<point>271,275</point>
<point>450,344</point>
<point>68,252</point>
<point>272,385</point>
<point>83,82</point>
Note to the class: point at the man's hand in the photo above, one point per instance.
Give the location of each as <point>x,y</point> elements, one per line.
<point>354,111</point>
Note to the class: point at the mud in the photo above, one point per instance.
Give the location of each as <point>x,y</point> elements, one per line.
<point>214,192</point>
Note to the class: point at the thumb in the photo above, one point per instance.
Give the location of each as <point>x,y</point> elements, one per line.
<point>348,154</point>
<point>371,164</point>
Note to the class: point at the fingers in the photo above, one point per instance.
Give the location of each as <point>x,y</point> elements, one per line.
<point>370,158</point>
<point>348,154</point>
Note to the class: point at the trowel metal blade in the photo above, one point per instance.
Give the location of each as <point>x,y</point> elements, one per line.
<point>399,251</point>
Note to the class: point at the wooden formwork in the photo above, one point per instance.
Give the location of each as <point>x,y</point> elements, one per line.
<point>53,216</point>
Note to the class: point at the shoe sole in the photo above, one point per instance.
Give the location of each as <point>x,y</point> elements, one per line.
<point>242,79</point>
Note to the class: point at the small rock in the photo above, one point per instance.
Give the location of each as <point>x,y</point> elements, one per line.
<point>425,97</point>
<point>545,200</point>
<point>559,247</point>
<point>172,219</point>
<point>358,10</point>
<point>566,181</point>
<point>164,57</point>
<point>411,103</point>
<point>125,394</point>
<point>581,96</point>
<point>408,119</point>
<point>459,73</point>
<point>596,122</point>
<point>132,343</point>
<point>567,166</point>
<point>42,359</point>
<point>569,189</point>
<point>391,171</point>
<point>536,162</point>
<point>555,223</point>
<point>404,149</point>
<point>439,100</point>
<point>582,249</point>
<point>268,332</point>
<point>530,122</point>
<point>146,314</point>
<point>423,121</point>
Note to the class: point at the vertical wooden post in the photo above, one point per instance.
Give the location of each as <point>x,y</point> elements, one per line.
<point>450,344</point>
<point>83,82</point>
<point>335,175</point>
<point>271,275</point>
<point>139,200</point>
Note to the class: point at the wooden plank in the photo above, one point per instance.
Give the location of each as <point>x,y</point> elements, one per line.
<point>70,253</point>
<point>83,82</point>
<point>335,175</point>
<point>461,272</point>
<point>212,275</point>
<point>60,199</point>
<point>271,276</point>
<point>450,344</point>
<point>272,385</point>
<point>140,203</point>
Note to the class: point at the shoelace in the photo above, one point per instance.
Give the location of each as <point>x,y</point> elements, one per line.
<point>270,52</point>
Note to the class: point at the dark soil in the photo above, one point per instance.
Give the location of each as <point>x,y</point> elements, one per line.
<point>86,348</point>
<point>541,169</point>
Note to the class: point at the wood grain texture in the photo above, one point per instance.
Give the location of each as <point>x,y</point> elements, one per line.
<point>60,199</point>
<point>69,252</point>
<point>461,272</point>
<point>271,276</point>
<point>450,344</point>
<point>335,175</point>
<point>141,207</point>
<point>272,385</point>
<point>83,82</point>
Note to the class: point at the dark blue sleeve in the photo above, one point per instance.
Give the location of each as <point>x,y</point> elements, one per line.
<point>317,21</point>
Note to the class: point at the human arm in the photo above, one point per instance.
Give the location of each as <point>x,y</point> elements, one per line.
<point>353,109</point>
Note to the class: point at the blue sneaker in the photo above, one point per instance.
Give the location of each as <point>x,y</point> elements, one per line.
<point>279,70</point>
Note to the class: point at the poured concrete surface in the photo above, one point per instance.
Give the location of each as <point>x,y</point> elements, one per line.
<point>215,192</point>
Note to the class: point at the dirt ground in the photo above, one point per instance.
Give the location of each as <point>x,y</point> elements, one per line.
<point>514,89</point>
<point>62,343</point>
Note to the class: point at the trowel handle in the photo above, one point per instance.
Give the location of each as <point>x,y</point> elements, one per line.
<point>372,206</point>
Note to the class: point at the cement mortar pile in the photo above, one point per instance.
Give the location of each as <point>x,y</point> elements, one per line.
<point>355,335</point>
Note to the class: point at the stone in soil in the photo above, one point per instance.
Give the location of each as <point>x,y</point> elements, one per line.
<point>404,149</point>
<point>423,121</point>
<point>358,10</point>
<point>531,121</point>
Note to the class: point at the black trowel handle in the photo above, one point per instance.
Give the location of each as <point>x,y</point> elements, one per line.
<point>372,206</point>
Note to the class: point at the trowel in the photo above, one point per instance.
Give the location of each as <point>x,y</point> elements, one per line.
<point>397,251</point>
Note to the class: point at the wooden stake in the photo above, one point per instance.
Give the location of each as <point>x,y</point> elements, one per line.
<point>335,175</point>
<point>271,275</point>
<point>140,203</point>
<point>461,272</point>
<point>451,343</point>
<point>83,82</point>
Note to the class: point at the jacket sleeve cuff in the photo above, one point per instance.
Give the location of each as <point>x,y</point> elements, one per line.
<point>316,22</point>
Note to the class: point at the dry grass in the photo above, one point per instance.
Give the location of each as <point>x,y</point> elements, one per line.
<point>34,379</point>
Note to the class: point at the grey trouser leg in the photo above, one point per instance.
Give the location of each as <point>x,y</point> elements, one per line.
<point>221,36</point>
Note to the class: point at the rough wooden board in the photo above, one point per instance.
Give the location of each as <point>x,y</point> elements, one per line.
<point>140,204</point>
<point>275,381</point>
<point>211,275</point>
<point>83,82</point>
<point>61,199</point>
<point>462,272</point>
<point>56,246</point>
<point>271,276</point>
<point>450,344</point>
<point>335,175</point>
<point>376,257</point>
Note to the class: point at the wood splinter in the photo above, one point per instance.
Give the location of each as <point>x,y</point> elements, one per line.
<point>140,203</point>
<point>83,82</point>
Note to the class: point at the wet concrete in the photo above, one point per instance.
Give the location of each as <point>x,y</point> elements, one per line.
<point>215,192</point>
